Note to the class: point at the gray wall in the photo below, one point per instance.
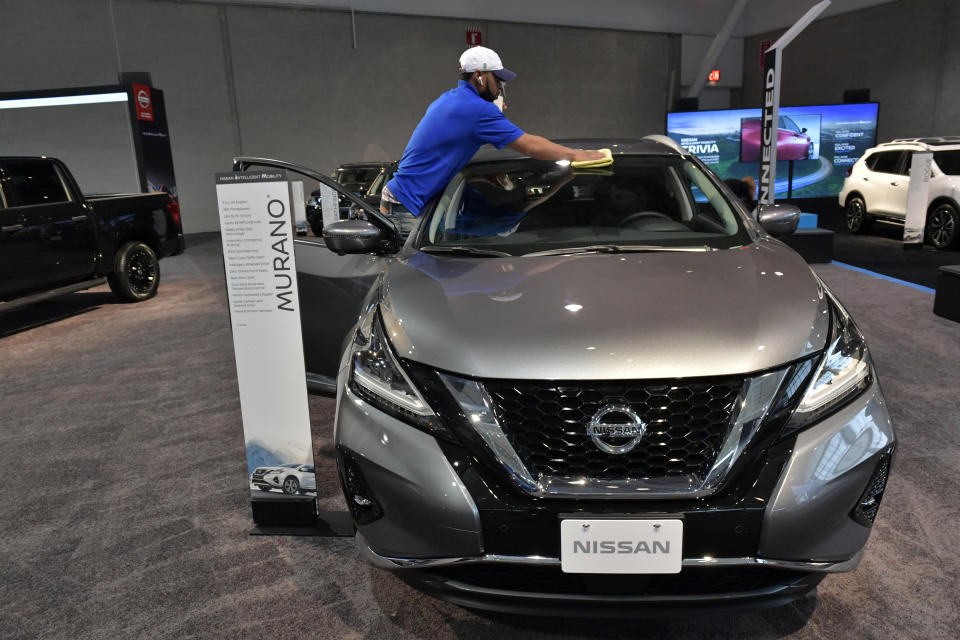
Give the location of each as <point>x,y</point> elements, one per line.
<point>905,52</point>
<point>302,92</point>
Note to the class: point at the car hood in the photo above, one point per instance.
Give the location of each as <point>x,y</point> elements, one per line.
<point>603,316</point>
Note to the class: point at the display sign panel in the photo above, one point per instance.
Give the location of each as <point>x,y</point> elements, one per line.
<point>257,231</point>
<point>152,143</point>
<point>729,142</point>
<point>918,195</point>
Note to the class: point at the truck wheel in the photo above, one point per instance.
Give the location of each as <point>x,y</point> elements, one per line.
<point>857,219</point>
<point>942,226</point>
<point>291,486</point>
<point>136,272</point>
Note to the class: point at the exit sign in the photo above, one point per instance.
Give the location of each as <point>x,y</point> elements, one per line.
<point>714,76</point>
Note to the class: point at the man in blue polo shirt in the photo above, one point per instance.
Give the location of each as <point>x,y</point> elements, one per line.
<point>454,127</point>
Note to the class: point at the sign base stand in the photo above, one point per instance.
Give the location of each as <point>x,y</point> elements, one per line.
<point>284,510</point>
<point>328,524</point>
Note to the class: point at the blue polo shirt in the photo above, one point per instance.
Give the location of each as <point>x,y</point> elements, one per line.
<point>457,124</point>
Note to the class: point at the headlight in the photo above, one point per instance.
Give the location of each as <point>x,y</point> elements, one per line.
<point>844,371</point>
<point>377,376</point>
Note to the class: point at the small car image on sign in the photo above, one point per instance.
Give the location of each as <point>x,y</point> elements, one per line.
<point>290,479</point>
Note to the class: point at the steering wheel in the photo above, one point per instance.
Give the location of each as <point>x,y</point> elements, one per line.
<point>633,217</point>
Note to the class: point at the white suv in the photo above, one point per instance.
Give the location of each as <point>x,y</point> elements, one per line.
<point>876,188</point>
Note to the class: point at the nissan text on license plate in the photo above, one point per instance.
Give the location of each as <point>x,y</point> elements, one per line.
<point>621,546</point>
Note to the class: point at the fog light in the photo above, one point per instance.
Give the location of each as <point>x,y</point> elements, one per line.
<point>360,500</point>
<point>866,510</point>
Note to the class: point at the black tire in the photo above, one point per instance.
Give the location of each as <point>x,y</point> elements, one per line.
<point>291,486</point>
<point>263,488</point>
<point>136,272</point>
<point>943,226</point>
<point>856,218</point>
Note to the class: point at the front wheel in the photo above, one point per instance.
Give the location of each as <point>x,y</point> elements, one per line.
<point>942,226</point>
<point>291,486</point>
<point>136,272</point>
<point>856,215</point>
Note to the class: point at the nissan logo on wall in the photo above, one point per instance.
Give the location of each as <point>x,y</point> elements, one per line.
<point>144,104</point>
<point>616,429</point>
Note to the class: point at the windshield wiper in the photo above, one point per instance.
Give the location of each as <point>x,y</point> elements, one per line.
<point>467,251</point>
<point>616,248</point>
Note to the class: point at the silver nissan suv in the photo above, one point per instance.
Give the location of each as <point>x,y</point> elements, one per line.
<point>595,390</point>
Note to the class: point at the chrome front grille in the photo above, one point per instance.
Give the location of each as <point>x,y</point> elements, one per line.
<point>686,424</point>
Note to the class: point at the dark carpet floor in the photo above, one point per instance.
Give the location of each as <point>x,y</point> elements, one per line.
<point>125,511</point>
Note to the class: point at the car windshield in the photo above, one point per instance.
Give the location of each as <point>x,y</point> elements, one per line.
<point>641,203</point>
<point>948,161</point>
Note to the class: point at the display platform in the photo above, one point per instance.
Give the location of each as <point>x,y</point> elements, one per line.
<point>946,303</point>
<point>141,522</point>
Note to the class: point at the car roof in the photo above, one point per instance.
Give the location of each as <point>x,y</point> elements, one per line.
<point>651,145</point>
<point>938,143</point>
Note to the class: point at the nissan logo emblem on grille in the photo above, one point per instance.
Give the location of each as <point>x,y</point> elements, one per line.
<point>623,423</point>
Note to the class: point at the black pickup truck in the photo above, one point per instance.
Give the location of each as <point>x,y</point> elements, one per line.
<point>53,240</point>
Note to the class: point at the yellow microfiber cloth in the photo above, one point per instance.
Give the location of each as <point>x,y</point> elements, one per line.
<point>605,161</point>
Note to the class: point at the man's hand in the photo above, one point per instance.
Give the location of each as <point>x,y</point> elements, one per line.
<point>581,155</point>
<point>543,149</point>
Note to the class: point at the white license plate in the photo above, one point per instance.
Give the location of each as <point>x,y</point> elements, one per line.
<point>621,546</point>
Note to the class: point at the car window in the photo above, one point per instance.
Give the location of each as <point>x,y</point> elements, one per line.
<point>948,161</point>
<point>308,213</point>
<point>526,206</point>
<point>33,183</point>
<point>886,161</point>
<point>788,124</point>
<point>904,167</point>
<point>376,185</point>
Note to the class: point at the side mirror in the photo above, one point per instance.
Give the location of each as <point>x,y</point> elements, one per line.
<point>804,130</point>
<point>353,236</point>
<point>778,219</point>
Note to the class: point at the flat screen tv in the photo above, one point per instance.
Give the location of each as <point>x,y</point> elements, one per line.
<point>820,141</point>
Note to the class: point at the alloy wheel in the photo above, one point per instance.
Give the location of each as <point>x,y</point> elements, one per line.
<point>141,271</point>
<point>942,226</point>
<point>854,214</point>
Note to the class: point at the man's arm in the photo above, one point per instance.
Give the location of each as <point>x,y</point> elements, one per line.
<point>543,149</point>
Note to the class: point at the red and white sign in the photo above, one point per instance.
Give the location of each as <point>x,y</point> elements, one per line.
<point>764,45</point>
<point>474,38</point>
<point>714,76</point>
<point>143,102</point>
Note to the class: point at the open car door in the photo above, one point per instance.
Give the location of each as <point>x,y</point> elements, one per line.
<point>332,287</point>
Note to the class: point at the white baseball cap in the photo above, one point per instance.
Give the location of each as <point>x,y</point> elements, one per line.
<point>483,59</point>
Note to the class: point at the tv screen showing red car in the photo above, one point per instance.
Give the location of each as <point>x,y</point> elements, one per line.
<point>819,141</point>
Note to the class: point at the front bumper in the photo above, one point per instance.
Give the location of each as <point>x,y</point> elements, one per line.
<point>511,584</point>
<point>266,481</point>
<point>786,524</point>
